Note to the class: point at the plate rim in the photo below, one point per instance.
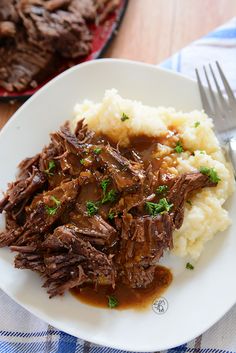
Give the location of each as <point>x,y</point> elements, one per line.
<point>88,63</point>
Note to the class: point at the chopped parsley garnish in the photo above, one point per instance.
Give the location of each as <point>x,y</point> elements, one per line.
<point>189,202</point>
<point>197,123</point>
<point>112,302</point>
<point>104,184</point>
<point>97,150</point>
<point>161,189</point>
<point>51,166</point>
<point>111,216</point>
<point>158,208</point>
<point>189,266</point>
<point>82,161</point>
<point>124,117</point>
<point>211,173</point>
<point>110,196</point>
<point>202,152</point>
<point>91,207</point>
<point>57,202</point>
<point>52,210</point>
<point>178,148</point>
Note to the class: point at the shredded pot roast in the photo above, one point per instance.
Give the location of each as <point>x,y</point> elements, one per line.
<point>85,210</point>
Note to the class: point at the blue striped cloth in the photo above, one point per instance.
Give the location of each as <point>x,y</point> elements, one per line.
<point>219,45</point>
<point>21,332</point>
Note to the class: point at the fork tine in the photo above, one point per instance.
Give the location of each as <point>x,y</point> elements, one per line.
<point>220,109</point>
<point>224,104</point>
<point>217,115</point>
<point>204,99</point>
<point>226,85</point>
<point>213,98</point>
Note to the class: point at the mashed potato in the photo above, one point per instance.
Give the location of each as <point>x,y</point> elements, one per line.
<point>205,216</point>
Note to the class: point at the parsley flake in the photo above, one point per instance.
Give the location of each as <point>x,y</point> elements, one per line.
<point>97,150</point>
<point>112,302</point>
<point>110,196</point>
<point>189,202</point>
<point>197,123</point>
<point>52,210</point>
<point>111,216</point>
<point>178,148</point>
<point>91,207</point>
<point>104,184</point>
<point>51,166</point>
<point>82,161</point>
<point>189,266</point>
<point>57,202</point>
<point>211,173</point>
<point>161,189</point>
<point>158,208</point>
<point>124,117</point>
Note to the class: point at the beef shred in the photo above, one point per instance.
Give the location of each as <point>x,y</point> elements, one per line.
<point>85,211</point>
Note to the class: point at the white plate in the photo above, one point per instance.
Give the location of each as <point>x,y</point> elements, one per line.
<point>196,299</point>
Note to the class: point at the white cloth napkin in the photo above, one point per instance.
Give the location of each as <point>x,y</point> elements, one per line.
<point>21,332</point>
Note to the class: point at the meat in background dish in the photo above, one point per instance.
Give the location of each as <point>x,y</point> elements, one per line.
<point>39,38</point>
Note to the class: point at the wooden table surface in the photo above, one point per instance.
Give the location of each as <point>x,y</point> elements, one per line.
<point>152,30</point>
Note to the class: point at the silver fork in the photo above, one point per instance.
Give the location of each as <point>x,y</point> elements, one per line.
<point>221,109</point>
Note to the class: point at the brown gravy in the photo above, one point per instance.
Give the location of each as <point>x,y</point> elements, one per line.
<point>128,298</point>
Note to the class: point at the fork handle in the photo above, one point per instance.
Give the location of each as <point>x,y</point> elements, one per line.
<point>231,148</point>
